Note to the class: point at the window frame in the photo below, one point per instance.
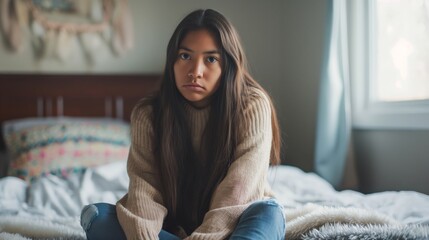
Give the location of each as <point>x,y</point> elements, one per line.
<point>367,112</point>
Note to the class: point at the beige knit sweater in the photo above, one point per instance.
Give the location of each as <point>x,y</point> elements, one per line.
<point>141,211</point>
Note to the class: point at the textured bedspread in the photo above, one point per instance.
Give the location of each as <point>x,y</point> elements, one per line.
<point>50,208</point>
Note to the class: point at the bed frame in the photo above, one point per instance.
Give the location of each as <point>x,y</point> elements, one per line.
<point>50,95</point>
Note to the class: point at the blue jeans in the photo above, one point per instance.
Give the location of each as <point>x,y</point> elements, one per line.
<point>261,220</point>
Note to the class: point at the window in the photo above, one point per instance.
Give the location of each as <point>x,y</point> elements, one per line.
<point>402,50</point>
<point>389,49</point>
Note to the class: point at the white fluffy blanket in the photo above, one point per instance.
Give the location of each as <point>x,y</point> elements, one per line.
<point>300,221</point>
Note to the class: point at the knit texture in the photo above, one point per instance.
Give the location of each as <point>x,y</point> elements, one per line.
<point>141,211</point>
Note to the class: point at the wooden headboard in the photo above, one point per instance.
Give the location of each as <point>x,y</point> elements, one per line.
<point>49,95</point>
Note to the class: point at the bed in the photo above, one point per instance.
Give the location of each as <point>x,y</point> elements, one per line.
<point>64,144</point>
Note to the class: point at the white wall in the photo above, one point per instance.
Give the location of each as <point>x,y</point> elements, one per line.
<point>297,94</point>
<point>392,160</point>
<point>154,21</point>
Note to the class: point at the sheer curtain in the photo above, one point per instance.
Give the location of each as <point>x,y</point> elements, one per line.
<point>333,130</point>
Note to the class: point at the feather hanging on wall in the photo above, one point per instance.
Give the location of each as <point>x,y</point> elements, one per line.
<point>10,24</point>
<point>123,38</point>
<point>54,25</point>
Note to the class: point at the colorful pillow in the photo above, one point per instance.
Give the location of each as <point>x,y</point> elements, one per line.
<point>62,147</point>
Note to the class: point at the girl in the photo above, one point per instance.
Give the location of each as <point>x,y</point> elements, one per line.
<point>200,149</point>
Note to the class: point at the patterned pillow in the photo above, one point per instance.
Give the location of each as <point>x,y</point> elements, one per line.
<point>63,147</point>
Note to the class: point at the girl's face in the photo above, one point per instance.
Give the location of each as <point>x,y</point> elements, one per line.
<point>197,69</point>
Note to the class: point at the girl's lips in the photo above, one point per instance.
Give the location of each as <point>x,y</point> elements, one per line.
<point>194,87</point>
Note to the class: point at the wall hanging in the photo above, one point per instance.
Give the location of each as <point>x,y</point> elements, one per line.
<point>56,27</point>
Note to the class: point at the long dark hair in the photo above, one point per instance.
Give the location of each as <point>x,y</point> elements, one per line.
<point>188,182</point>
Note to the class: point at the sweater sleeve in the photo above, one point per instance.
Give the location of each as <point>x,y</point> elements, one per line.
<point>246,178</point>
<point>141,212</point>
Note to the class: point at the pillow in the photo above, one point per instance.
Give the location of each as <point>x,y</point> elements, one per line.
<point>64,145</point>
<point>18,124</point>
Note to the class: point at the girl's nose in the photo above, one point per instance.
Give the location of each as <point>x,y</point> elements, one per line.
<point>197,69</point>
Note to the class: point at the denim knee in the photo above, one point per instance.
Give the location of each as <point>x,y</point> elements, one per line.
<point>103,212</point>
<point>100,222</point>
<point>271,206</point>
<point>261,220</point>
<point>88,214</point>
<point>261,206</point>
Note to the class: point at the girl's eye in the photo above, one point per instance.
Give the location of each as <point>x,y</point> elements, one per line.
<point>184,56</point>
<point>211,59</point>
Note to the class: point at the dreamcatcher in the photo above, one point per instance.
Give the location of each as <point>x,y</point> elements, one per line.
<point>55,26</point>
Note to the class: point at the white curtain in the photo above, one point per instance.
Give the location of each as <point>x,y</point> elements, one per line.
<point>333,130</point>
